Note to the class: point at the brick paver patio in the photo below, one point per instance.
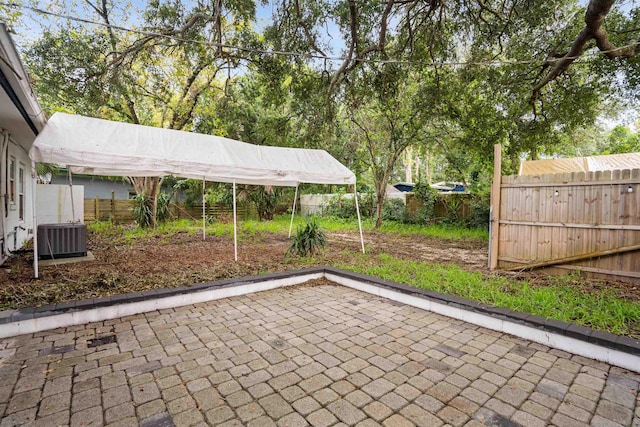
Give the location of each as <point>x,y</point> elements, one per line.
<point>308,355</point>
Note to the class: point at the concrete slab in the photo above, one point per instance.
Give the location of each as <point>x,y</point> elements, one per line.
<point>72,260</point>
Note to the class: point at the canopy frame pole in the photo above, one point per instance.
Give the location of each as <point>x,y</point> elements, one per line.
<point>204,215</point>
<point>235,224</point>
<point>35,220</point>
<point>355,196</point>
<point>295,199</point>
<point>73,207</point>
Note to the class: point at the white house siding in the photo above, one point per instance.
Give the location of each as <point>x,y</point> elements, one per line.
<point>21,118</point>
<point>18,216</point>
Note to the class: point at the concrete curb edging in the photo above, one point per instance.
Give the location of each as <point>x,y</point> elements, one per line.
<point>616,350</point>
<point>53,316</point>
<point>552,339</point>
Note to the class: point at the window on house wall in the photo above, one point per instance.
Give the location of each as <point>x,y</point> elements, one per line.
<point>12,180</point>
<point>21,185</point>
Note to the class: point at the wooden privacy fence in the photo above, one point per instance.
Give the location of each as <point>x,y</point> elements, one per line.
<point>577,221</point>
<point>121,211</point>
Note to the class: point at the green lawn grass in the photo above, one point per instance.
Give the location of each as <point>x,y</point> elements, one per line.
<point>561,298</point>
<point>280,224</point>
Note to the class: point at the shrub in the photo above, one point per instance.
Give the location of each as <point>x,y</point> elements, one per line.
<point>266,200</point>
<point>142,211</point>
<point>162,210</point>
<point>216,192</point>
<point>420,217</point>
<point>309,239</point>
<point>453,206</point>
<point>428,197</point>
<point>394,210</point>
<point>191,189</point>
<point>340,207</point>
<point>480,207</point>
<point>345,207</point>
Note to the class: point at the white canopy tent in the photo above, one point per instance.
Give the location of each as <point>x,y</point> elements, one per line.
<point>102,147</point>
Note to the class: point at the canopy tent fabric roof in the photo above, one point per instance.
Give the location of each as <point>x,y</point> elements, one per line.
<point>581,164</point>
<point>103,147</point>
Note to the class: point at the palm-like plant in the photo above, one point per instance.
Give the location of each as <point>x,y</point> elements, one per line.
<point>309,239</point>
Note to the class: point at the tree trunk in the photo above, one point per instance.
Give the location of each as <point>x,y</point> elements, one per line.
<point>380,202</point>
<point>150,187</point>
<point>381,193</point>
<point>408,164</point>
<point>427,169</point>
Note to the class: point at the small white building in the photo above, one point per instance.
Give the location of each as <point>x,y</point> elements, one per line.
<point>21,119</point>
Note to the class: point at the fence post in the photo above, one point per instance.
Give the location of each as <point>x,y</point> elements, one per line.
<point>97,209</point>
<point>113,206</point>
<point>174,205</point>
<point>494,222</point>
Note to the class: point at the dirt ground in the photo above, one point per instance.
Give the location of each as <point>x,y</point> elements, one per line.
<point>185,259</point>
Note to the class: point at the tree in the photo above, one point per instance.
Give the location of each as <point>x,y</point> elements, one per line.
<point>386,114</point>
<point>621,140</point>
<point>429,36</point>
<point>280,102</point>
<point>9,15</point>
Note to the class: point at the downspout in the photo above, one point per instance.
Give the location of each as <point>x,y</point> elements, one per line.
<point>3,190</point>
<point>35,220</point>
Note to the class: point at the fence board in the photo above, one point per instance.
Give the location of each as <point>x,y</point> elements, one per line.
<point>535,212</point>
<point>553,217</point>
<point>549,194</point>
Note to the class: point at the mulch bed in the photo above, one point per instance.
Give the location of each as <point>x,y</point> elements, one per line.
<point>183,258</point>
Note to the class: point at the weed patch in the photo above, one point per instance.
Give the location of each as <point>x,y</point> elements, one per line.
<point>560,299</point>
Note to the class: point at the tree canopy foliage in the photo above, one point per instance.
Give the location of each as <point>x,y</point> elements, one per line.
<point>385,86</point>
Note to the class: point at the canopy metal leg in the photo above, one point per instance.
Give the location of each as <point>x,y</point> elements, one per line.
<point>355,195</point>
<point>35,220</point>
<point>235,224</point>
<point>295,199</point>
<point>204,215</point>
<point>73,208</point>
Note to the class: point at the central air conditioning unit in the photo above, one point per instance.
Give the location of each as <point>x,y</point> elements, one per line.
<point>62,241</point>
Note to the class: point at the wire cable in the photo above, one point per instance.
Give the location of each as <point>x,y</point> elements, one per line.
<point>143,32</point>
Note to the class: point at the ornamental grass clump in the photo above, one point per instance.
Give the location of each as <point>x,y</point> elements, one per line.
<point>308,240</point>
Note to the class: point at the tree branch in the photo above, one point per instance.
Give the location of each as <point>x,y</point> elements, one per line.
<point>354,47</point>
<point>379,47</point>
<point>305,28</point>
<point>593,30</point>
<point>353,25</point>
